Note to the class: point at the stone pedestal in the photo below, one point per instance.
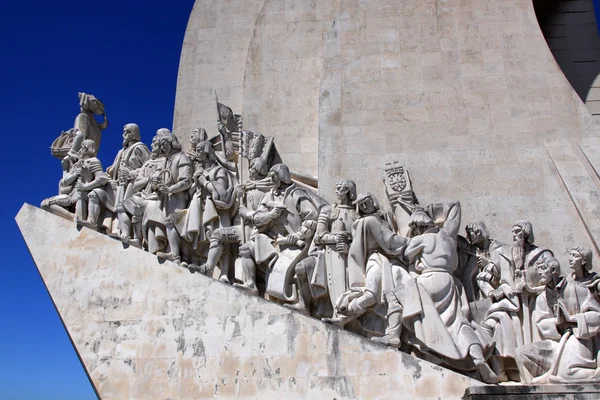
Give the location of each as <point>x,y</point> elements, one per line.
<point>146,329</point>
<point>530,392</point>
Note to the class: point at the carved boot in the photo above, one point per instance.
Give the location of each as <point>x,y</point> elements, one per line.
<point>394,323</point>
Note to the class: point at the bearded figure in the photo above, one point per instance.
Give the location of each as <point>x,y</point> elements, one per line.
<point>511,281</point>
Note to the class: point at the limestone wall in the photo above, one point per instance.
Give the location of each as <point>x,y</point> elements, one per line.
<point>150,330</point>
<point>465,93</point>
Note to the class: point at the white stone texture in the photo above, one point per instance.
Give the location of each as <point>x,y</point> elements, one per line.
<point>466,94</point>
<point>146,329</point>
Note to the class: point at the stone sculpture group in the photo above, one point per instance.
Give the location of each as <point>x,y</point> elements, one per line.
<point>230,209</point>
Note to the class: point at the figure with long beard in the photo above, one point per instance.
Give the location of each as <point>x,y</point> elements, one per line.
<point>511,281</point>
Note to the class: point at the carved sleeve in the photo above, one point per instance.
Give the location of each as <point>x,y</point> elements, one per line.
<point>322,235</point>
<point>185,172</point>
<point>544,319</point>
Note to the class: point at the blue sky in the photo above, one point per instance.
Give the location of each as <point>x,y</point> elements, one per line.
<point>126,52</point>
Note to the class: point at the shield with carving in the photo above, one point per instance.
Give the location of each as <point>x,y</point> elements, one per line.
<point>280,278</point>
<point>336,273</point>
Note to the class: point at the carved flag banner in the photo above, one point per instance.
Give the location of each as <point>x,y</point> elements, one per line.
<point>227,117</point>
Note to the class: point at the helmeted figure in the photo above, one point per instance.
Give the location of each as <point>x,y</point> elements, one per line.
<point>286,215</point>
<point>96,192</point>
<point>172,194</point>
<point>322,276</point>
<point>513,296</point>
<point>567,317</point>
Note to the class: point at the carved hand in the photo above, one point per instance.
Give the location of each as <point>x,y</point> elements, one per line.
<point>164,189</point>
<point>482,261</point>
<point>124,174</point>
<point>292,239</point>
<point>276,212</point>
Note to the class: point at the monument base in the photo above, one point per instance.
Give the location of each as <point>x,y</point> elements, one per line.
<point>148,329</point>
<point>521,392</point>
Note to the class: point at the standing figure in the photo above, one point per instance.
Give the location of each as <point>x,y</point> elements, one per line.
<point>286,215</point>
<point>429,305</point>
<point>567,316</point>
<point>96,192</point>
<point>176,179</point>
<point>131,210</point>
<point>250,195</point>
<point>322,276</point>
<point>128,161</point>
<point>472,253</point>
<point>85,126</point>
<point>212,206</point>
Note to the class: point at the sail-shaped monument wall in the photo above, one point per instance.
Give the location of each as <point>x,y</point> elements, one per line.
<point>466,94</point>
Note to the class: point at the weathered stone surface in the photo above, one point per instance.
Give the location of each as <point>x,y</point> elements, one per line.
<point>467,95</point>
<point>547,392</point>
<point>150,330</point>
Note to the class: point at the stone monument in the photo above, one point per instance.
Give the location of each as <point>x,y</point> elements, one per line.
<point>193,270</point>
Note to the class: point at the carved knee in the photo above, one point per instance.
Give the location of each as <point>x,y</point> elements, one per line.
<point>245,251</point>
<point>217,237</point>
<point>120,209</point>
<point>93,198</point>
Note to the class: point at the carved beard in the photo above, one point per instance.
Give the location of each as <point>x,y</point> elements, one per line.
<point>518,254</point>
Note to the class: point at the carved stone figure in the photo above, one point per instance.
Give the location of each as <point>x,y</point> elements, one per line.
<point>212,206</point>
<point>321,277</point>
<point>286,218</point>
<point>567,316</point>
<point>131,210</point>
<point>429,304</point>
<point>128,161</point>
<point>250,195</point>
<point>158,224</point>
<point>67,145</point>
<point>473,250</point>
<point>509,316</point>
<point>96,192</point>
<point>374,269</point>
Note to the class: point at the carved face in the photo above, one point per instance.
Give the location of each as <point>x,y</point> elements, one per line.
<point>194,137</point>
<point>128,135</point>
<point>575,260</point>
<point>155,145</point>
<point>473,236</point>
<point>341,190</point>
<point>518,235</point>
<point>86,150</point>
<point>165,146</point>
<point>545,271</point>
<point>366,206</point>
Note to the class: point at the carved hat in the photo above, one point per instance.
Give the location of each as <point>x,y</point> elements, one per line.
<point>527,228</point>
<point>364,196</point>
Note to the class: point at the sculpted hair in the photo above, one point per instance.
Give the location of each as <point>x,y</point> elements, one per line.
<point>587,255</point>
<point>478,226</point>
<point>283,172</point>
<point>527,228</point>
<point>135,130</point>
<point>169,136</point>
